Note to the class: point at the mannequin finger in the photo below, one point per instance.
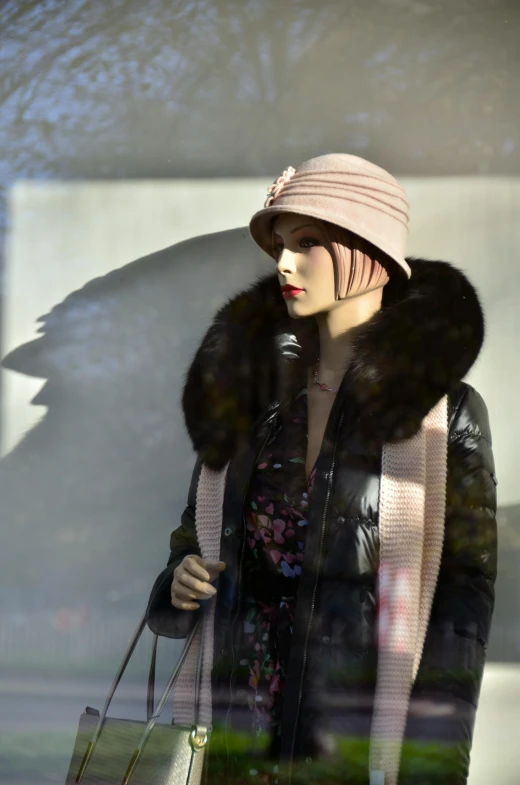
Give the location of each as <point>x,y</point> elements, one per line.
<point>195,566</point>
<point>195,585</point>
<point>183,605</point>
<point>183,592</point>
<point>213,568</point>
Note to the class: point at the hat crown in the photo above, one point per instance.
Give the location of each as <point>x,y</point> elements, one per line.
<point>344,163</point>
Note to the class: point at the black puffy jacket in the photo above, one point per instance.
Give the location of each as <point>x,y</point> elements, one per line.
<point>416,349</point>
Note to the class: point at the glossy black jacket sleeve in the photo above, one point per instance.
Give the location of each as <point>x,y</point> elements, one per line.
<point>161,616</point>
<point>445,695</point>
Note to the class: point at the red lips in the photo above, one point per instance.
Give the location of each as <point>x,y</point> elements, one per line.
<point>290,291</point>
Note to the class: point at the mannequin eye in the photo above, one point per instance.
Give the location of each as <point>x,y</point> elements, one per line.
<point>306,240</point>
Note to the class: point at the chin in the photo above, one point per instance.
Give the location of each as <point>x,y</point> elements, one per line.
<point>301,310</point>
<point>295,311</point>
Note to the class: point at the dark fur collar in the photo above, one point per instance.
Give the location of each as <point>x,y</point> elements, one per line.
<point>421,343</point>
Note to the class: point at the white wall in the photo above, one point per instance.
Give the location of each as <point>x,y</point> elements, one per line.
<point>495,756</point>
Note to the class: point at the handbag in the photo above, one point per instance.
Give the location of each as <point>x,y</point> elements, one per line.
<point>110,751</point>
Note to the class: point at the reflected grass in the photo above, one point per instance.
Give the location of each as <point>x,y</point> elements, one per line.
<point>29,753</point>
<point>432,762</point>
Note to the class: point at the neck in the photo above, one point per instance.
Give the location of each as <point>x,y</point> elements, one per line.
<point>335,330</point>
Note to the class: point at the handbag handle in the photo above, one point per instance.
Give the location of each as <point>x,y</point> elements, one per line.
<point>150,692</point>
<point>152,715</point>
<point>151,680</point>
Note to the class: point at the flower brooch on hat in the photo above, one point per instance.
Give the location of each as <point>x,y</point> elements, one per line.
<point>276,188</point>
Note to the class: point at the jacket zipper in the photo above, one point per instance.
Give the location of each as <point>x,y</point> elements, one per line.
<point>246,490</point>
<point>313,601</point>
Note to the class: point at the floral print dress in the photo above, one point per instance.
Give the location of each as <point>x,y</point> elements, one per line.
<point>276,519</point>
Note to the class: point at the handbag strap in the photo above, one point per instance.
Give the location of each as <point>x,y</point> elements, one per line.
<point>151,680</point>
<point>150,694</point>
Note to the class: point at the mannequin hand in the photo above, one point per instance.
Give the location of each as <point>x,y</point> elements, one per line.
<point>191,581</point>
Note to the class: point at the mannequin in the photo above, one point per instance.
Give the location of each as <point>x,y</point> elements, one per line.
<point>300,655</point>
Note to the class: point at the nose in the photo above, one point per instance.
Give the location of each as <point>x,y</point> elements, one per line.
<point>286,262</point>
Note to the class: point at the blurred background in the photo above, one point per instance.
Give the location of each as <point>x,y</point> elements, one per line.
<point>137,141</point>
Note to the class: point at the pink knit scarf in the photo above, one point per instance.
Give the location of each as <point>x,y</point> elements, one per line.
<point>412,507</point>
<point>411,532</point>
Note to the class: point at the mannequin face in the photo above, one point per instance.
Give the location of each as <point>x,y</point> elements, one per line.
<point>303,260</point>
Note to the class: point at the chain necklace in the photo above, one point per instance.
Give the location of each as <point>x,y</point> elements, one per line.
<point>321,385</point>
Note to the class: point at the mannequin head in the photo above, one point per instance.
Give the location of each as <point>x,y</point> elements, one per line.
<point>343,191</point>
<point>329,263</point>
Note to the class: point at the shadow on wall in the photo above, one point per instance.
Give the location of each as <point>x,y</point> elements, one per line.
<point>91,493</point>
